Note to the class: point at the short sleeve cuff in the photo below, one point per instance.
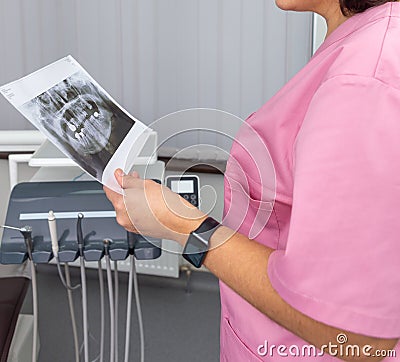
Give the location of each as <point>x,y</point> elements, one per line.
<point>324,311</point>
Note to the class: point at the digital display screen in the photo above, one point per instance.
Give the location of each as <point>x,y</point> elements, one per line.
<point>182,186</point>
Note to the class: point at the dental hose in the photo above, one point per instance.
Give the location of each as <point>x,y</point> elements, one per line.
<point>110,298</point>
<point>72,311</point>
<point>66,282</point>
<point>128,312</point>
<point>29,246</point>
<point>116,302</point>
<point>84,288</point>
<point>102,310</point>
<point>133,284</point>
<point>138,309</point>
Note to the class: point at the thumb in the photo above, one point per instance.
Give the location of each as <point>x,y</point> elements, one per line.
<point>127,181</point>
<point>119,174</point>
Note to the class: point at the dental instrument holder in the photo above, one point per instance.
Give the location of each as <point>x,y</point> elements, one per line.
<point>144,248</point>
<point>29,204</point>
<point>79,234</point>
<point>26,232</point>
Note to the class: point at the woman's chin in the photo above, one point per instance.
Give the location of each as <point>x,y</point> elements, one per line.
<point>284,4</point>
<point>294,5</point>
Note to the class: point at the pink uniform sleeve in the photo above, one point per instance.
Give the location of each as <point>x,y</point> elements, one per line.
<point>341,265</point>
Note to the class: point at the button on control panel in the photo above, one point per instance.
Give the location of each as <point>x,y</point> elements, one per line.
<point>187,186</point>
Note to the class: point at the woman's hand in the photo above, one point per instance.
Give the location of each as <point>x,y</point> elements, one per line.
<point>151,209</point>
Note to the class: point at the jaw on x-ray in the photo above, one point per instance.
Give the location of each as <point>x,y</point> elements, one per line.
<point>80,116</point>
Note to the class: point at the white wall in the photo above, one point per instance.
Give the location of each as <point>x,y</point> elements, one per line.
<point>319,31</point>
<point>25,173</point>
<point>159,56</point>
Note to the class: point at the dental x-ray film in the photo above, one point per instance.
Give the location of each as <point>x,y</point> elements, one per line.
<point>76,114</point>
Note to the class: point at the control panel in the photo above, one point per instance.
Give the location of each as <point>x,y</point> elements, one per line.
<point>187,186</point>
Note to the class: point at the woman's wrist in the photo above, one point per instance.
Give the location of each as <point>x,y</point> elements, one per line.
<point>185,225</point>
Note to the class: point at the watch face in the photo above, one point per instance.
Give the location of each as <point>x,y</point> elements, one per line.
<point>195,259</point>
<point>195,251</point>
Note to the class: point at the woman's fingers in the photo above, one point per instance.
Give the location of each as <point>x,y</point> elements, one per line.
<point>111,195</point>
<point>152,209</point>
<point>118,203</point>
<point>131,182</point>
<point>127,181</point>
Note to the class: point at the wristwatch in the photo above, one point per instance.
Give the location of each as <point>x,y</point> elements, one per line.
<point>197,245</point>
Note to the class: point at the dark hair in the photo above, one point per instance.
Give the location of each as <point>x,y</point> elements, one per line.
<point>350,7</point>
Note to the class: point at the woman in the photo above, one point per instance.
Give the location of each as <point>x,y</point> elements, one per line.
<point>325,269</point>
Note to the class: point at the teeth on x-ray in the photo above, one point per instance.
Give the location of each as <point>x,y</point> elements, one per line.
<point>82,118</point>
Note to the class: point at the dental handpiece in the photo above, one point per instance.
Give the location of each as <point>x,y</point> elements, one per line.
<point>79,233</point>
<point>131,241</point>
<point>26,232</point>
<point>53,233</point>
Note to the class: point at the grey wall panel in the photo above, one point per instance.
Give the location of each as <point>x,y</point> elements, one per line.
<point>159,56</point>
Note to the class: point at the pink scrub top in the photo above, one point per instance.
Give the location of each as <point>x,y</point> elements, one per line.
<point>333,133</point>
